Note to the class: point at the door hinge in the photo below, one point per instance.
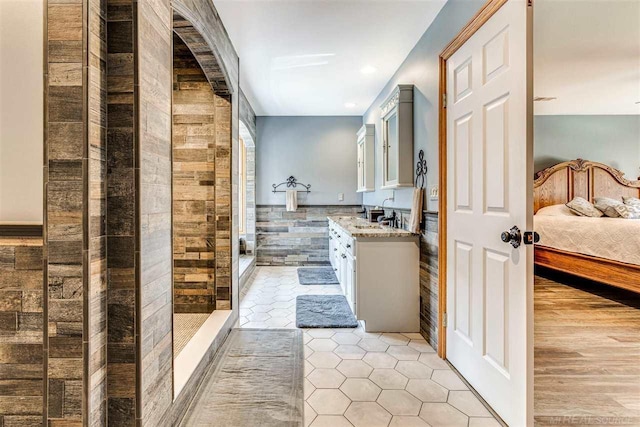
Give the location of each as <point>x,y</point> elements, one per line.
<point>444,319</point>
<point>444,100</point>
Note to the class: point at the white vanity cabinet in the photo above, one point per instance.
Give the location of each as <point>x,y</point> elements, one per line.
<point>379,273</point>
<point>397,138</point>
<point>366,159</point>
<point>341,250</point>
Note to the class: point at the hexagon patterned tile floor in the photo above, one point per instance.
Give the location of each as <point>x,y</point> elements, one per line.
<point>355,378</point>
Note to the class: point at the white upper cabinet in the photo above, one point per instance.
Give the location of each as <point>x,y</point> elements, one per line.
<point>397,138</point>
<point>366,158</point>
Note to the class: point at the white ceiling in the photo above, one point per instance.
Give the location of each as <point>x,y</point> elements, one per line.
<point>304,57</point>
<point>587,54</point>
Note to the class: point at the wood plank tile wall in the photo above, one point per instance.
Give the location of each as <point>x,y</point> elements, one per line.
<point>122,221</point>
<point>75,243</point>
<point>65,137</point>
<point>205,17</point>
<point>223,202</point>
<point>95,342</point>
<point>21,332</point>
<point>154,57</point>
<point>108,150</point>
<point>194,184</point>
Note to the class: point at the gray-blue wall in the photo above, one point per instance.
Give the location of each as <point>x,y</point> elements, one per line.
<point>320,151</point>
<point>612,140</point>
<point>421,69</point>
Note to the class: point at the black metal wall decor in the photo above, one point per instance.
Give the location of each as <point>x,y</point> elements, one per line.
<point>291,182</point>
<point>421,170</point>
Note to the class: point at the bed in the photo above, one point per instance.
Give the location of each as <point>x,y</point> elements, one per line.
<point>606,250</point>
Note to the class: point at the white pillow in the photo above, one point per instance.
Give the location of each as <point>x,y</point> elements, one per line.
<point>555,210</point>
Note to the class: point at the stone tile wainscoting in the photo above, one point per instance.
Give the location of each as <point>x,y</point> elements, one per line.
<point>21,340</point>
<point>295,238</point>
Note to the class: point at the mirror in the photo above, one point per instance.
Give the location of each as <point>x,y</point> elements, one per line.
<point>391,137</point>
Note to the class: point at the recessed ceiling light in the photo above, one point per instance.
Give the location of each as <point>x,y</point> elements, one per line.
<point>350,104</point>
<point>368,70</point>
<point>544,98</point>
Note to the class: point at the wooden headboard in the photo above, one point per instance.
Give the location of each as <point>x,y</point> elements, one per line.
<point>580,178</point>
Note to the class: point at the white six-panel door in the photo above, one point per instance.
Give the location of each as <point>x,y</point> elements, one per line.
<point>489,166</point>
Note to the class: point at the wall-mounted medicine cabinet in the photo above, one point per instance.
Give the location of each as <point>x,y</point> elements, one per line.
<point>366,159</point>
<point>397,138</point>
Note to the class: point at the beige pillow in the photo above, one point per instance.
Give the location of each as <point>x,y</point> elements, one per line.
<point>628,211</point>
<point>607,206</point>
<point>633,201</point>
<point>583,207</point>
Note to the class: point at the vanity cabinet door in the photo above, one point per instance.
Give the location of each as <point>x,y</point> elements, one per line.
<point>366,159</point>
<point>360,166</point>
<point>342,278</point>
<point>332,245</point>
<point>350,283</point>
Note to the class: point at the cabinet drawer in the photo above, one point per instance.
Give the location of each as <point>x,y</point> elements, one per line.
<point>347,242</point>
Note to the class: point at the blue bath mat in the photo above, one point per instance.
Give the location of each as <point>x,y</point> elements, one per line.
<point>324,311</point>
<point>317,276</point>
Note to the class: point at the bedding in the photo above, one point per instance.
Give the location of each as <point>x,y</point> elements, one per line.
<point>616,239</point>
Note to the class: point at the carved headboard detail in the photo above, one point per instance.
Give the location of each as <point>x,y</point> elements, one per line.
<point>561,183</point>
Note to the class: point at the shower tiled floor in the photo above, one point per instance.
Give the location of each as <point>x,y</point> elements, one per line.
<point>354,378</point>
<point>185,326</point>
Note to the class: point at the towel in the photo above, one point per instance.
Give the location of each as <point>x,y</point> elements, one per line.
<point>292,200</point>
<point>416,210</point>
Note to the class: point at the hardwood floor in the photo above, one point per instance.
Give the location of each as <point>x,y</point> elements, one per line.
<point>587,353</point>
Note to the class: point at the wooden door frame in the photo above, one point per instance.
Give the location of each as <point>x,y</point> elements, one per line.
<point>480,18</point>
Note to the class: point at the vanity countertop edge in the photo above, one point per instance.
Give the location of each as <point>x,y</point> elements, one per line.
<point>350,225</point>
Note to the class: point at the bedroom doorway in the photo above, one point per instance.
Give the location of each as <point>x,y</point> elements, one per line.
<point>486,270</point>
<point>587,265</point>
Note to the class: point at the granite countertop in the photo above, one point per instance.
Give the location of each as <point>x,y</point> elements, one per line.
<point>359,227</point>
